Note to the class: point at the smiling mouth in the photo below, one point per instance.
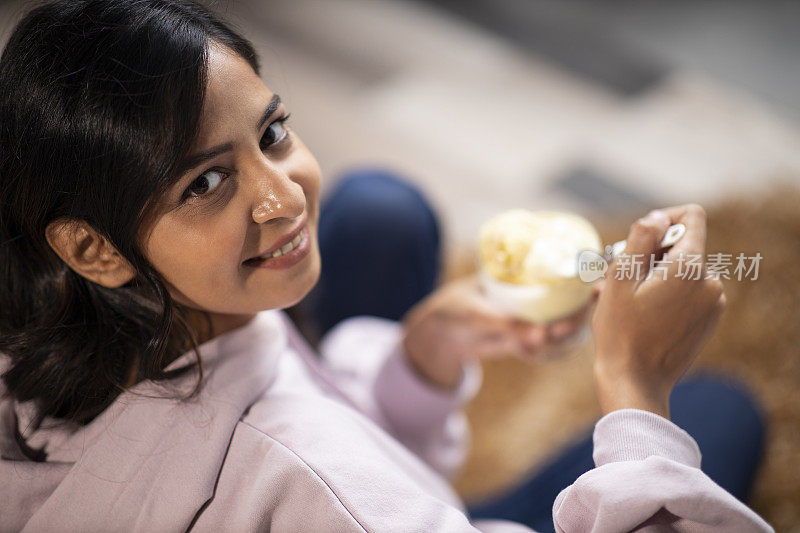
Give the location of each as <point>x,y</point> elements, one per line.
<point>285,245</point>
<point>283,250</point>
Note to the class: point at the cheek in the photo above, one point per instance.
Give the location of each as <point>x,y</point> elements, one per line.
<point>198,256</point>
<point>306,172</point>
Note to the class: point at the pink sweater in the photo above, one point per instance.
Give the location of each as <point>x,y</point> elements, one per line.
<point>357,442</point>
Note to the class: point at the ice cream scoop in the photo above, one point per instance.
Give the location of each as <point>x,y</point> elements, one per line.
<point>528,262</point>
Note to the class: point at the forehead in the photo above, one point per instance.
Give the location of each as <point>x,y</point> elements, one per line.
<point>235,96</point>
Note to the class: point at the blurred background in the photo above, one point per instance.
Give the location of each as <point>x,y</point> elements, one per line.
<point>607,108</point>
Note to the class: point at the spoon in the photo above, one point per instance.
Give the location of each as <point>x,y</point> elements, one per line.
<point>673,235</point>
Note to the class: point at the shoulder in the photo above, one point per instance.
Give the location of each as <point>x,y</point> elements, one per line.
<point>322,434</point>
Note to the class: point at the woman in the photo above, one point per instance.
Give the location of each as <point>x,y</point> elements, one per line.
<point>156,215</point>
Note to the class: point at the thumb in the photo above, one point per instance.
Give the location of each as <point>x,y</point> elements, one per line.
<point>489,310</point>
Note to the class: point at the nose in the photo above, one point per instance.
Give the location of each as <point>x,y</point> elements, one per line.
<point>275,195</point>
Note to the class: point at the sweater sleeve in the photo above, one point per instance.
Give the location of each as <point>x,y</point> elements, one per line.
<point>365,357</point>
<point>648,474</point>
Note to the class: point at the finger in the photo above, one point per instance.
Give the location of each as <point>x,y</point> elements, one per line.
<point>478,299</point>
<point>534,352</point>
<point>647,232</point>
<point>642,241</point>
<point>565,327</point>
<point>562,328</point>
<point>492,321</point>
<point>573,339</point>
<point>531,337</point>
<point>467,295</point>
<point>499,347</point>
<point>556,350</point>
<point>693,216</point>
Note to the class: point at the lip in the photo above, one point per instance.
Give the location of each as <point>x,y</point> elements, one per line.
<point>286,260</point>
<point>286,239</point>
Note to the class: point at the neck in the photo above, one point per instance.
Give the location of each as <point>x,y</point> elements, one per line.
<point>210,325</point>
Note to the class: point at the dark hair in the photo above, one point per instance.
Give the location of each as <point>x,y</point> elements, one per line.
<point>99,104</point>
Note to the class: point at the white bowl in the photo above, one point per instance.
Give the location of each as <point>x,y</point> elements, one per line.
<point>538,262</point>
<point>540,303</point>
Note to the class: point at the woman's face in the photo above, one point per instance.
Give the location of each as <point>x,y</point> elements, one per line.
<point>257,186</point>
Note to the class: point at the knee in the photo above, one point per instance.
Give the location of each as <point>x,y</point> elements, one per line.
<point>372,202</point>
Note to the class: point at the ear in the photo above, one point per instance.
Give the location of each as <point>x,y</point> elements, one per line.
<point>88,253</point>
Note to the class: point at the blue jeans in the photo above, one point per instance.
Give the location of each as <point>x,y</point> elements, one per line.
<point>380,244</point>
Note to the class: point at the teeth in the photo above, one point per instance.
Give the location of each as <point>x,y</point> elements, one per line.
<point>288,247</point>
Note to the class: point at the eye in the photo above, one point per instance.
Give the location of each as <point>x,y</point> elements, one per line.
<point>276,132</point>
<point>204,184</point>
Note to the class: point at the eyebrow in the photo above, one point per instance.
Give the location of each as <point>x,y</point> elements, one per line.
<point>195,160</point>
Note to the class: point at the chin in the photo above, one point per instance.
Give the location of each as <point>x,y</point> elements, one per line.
<point>305,284</point>
<point>312,279</point>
